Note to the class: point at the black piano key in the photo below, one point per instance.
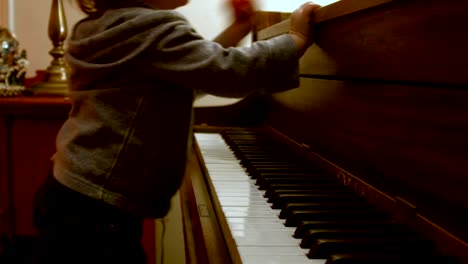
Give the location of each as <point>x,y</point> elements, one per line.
<point>283,163</point>
<point>262,159</point>
<point>263,152</point>
<point>253,149</point>
<point>270,189</point>
<point>323,248</point>
<point>253,138</point>
<point>262,173</point>
<point>313,235</point>
<point>292,175</point>
<point>389,258</point>
<point>287,209</point>
<point>286,171</point>
<point>263,183</point>
<point>247,163</point>
<point>282,167</point>
<point>256,145</point>
<point>304,226</point>
<point>282,199</point>
<point>250,157</point>
<point>263,163</point>
<point>273,195</point>
<point>252,145</point>
<point>346,219</point>
<point>330,215</point>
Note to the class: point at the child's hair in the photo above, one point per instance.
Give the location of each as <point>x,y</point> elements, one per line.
<point>93,7</point>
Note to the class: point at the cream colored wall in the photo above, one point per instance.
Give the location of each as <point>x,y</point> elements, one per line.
<point>170,245</point>
<point>31,20</point>
<point>4,13</point>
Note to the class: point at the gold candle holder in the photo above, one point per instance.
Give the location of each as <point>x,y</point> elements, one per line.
<point>56,77</point>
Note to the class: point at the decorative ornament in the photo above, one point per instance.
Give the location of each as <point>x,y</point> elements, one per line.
<point>13,64</point>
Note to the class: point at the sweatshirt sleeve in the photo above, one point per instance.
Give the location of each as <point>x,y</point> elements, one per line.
<point>181,56</point>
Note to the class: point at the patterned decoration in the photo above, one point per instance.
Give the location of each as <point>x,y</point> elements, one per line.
<point>13,64</point>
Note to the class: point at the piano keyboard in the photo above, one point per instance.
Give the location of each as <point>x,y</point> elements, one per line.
<point>279,208</point>
<point>259,235</point>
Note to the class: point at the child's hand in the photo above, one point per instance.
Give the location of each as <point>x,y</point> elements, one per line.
<point>301,28</point>
<point>243,9</point>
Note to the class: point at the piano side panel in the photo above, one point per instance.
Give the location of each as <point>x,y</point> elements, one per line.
<point>204,240</point>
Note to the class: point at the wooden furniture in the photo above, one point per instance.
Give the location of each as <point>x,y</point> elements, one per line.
<point>28,127</point>
<point>382,105</point>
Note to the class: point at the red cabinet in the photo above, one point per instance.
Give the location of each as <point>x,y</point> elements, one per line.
<point>27,135</point>
<point>28,127</point>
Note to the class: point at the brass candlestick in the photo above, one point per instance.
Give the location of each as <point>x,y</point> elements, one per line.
<point>56,77</point>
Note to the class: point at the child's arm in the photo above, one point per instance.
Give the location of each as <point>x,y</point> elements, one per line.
<point>243,12</point>
<point>231,36</point>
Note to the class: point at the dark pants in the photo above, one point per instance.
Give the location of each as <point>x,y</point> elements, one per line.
<point>74,228</point>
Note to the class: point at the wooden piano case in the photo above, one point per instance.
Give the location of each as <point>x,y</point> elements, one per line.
<point>383,104</point>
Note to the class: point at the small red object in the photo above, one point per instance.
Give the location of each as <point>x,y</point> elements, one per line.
<point>243,9</point>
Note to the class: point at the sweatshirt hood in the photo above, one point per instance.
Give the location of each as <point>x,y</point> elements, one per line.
<point>116,37</point>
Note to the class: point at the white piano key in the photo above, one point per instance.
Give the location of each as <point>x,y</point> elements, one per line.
<point>217,176</point>
<point>233,184</point>
<point>221,179</point>
<point>239,184</point>
<point>217,161</point>
<point>247,212</point>
<point>251,208</point>
<point>233,202</point>
<point>252,199</point>
<point>241,194</point>
<point>228,176</point>
<point>260,236</point>
<point>227,170</point>
<point>260,226</point>
<point>254,220</point>
<point>225,166</point>
<point>237,192</point>
<point>272,250</point>
<point>279,259</point>
<point>264,238</point>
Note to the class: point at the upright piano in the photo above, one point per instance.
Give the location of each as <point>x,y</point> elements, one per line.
<point>365,162</point>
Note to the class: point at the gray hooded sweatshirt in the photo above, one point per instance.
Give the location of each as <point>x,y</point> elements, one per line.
<point>134,73</point>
